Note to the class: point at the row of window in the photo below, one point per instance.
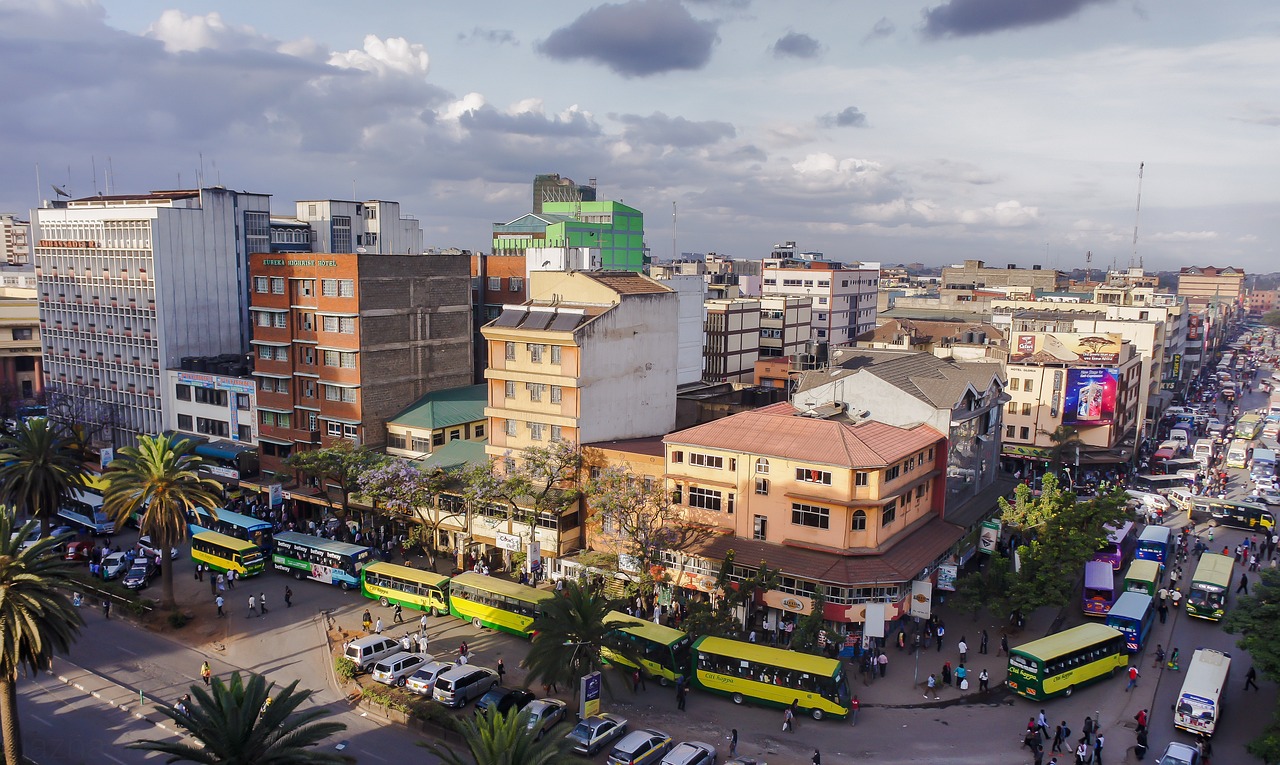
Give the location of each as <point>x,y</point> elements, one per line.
<point>210,427</point>
<point>425,444</point>
<point>275,285</point>
<point>345,325</point>
<point>339,359</point>
<point>536,391</point>
<point>516,283</point>
<point>537,431</point>
<point>537,352</point>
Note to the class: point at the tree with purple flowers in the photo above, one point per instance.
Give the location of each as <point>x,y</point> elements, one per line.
<point>402,487</point>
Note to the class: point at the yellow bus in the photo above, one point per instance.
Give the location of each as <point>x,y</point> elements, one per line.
<point>1143,576</point>
<point>496,603</point>
<point>389,583</point>
<point>223,553</point>
<point>1058,664</point>
<point>1207,597</point>
<point>771,676</point>
<point>663,651</point>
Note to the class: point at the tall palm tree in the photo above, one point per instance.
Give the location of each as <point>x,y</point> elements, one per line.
<point>503,739</point>
<point>569,635</point>
<point>40,465</point>
<point>158,479</point>
<point>37,619</point>
<point>240,723</point>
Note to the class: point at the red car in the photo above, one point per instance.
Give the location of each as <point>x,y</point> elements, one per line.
<point>78,551</point>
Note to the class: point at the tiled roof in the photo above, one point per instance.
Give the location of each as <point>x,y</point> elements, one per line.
<point>627,283</point>
<point>443,408</point>
<point>786,434</point>
<point>933,331</point>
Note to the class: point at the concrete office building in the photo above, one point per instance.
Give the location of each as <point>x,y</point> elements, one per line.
<point>786,326</point>
<point>1013,281</point>
<point>1210,284</point>
<point>15,240</point>
<point>843,296</point>
<point>376,226</point>
<point>21,377</point>
<point>731,342</point>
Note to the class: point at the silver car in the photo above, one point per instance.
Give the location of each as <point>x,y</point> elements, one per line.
<point>544,714</point>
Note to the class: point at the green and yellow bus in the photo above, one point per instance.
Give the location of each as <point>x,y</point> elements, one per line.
<point>496,603</point>
<point>663,651</point>
<point>771,676</point>
<point>1143,576</point>
<point>389,583</point>
<point>1058,664</point>
<point>1207,597</point>
<point>223,553</point>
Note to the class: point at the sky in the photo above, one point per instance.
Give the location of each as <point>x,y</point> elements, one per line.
<point>871,130</point>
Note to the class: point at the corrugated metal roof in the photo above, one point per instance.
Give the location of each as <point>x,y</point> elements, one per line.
<point>445,408</point>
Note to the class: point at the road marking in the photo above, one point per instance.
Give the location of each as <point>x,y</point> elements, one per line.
<point>126,650</point>
<point>40,720</point>
<point>113,759</point>
<point>374,756</point>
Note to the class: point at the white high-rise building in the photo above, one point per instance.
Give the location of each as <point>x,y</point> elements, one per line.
<point>15,241</point>
<point>128,285</point>
<point>341,225</point>
<point>843,295</point>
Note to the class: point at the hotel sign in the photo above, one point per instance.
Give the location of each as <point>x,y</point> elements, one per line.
<point>69,243</point>
<point>298,262</point>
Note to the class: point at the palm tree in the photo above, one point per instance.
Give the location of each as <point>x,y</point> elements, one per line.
<point>39,468</point>
<point>503,739</point>
<point>569,635</point>
<point>238,723</point>
<point>158,479</point>
<point>37,619</point>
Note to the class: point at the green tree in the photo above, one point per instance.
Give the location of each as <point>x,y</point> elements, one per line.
<point>37,619</point>
<point>988,587</point>
<point>159,480</point>
<point>805,636</point>
<point>741,593</point>
<point>342,465</point>
<point>1271,318</point>
<point>1066,447</point>
<point>1256,618</point>
<point>401,487</point>
<point>238,723</point>
<point>503,739</point>
<point>570,634</point>
<point>40,467</point>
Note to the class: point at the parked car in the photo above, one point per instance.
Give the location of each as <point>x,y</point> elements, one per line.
<point>423,682</point>
<point>114,565</point>
<point>545,714</point>
<point>370,650</point>
<point>394,669</point>
<point>595,732</point>
<point>78,551</point>
<point>151,551</point>
<point>503,700</point>
<point>691,753</point>
<point>463,683</point>
<point>1179,754</point>
<point>140,573</point>
<point>1266,496</point>
<point>640,747</point>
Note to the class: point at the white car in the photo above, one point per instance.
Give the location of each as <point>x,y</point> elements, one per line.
<point>1266,496</point>
<point>1264,483</point>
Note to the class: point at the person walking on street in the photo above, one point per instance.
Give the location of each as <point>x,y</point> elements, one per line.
<point>1140,748</point>
<point>1042,724</point>
<point>253,607</point>
<point>1088,730</point>
<point>288,597</point>
<point>680,694</point>
<point>1159,656</point>
<point>788,721</point>
<point>422,624</point>
<point>982,643</point>
<point>1250,679</point>
<point>964,650</point>
<point>218,602</point>
<point>262,603</point>
<point>206,673</point>
<point>983,677</point>
<point>931,687</point>
<point>502,670</point>
<point>941,631</point>
<point>1060,735</point>
<point>213,584</point>
<point>1004,646</point>
<point>366,621</point>
<point>883,662</point>
<point>1098,742</point>
<point>1173,660</point>
<point>853,710</point>
<point>1133,679</point>
<point>199,569</point>
<point>377,626</point>
<point>1141,718</point>
<point>1082,753</point>
<point>398,614</point>
<point>1244,585</point>
<point>231,579</point>
<point>817,757</point>
<point>106,609</point>
<point>733,742</point>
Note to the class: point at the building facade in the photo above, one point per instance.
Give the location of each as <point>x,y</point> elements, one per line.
<point>731,340</point>
<point>21,374</point>
<point>437,419</point>
<point>216,404</point>
<point>1013,281</point>
<point>15,240</point>
<point>1203,284</point>
<point>843,298</point>
<point>786,326</point>
<point>376,226</point>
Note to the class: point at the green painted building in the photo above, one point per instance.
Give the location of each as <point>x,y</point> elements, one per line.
<point>612,227</point>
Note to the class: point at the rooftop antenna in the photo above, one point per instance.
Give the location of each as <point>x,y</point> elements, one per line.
<point>1137,212</point>
<point>93,165</point>
<point>1088,264</point>
<point>111,175</point>
<point>200,172</point>
<point>673,230</point>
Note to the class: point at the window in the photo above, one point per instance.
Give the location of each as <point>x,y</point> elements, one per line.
<point>242,400</point>
<point>341,228</point>
<point>346,288</point>
<point>342,324</point>
<point>395,440</point>
<point>515,283</point>
<point>731,503</point>
<point>822,301</point>
<point>281,321</point>
<point>332,358</point>
<point>511,388</point>
<point>437,439</point>
<point>22,334</point>
<point>509,427</point>
<point>556,432</point>
<point>556,394</point>
<point>335,393</point>
<point>535,352</point>
<point>277,285</point>
<point>760,528</point>
<point>762,486</point>
<point>1009,430</point>
<point>889,513</point>
<point>535,390</point>
<point>762,465</point>
<point>184,422</point>
<point>334,429</point>
<point>535,431</point>
<point>183,392</point>
<point>810,515</point>
<point>1026,409</point>
<point>267,418</point>
<point>706,499</point>
<point>860,478</point>
<point>284,420</point>
<point>511,351</point>
<point>892,473</point>
<point>809,475</point>
<point>859,521</point>
<point>555,354</point>
<point>495,283</point>
<point>262,319</point>
<point>1027,384</point>
<point>480,430</point>
<point>677,457</point>
<point>920,492</point>
<point>706,460</point>
<point>1025,434</point>
<point>329,288</point>
<point>261,284</point>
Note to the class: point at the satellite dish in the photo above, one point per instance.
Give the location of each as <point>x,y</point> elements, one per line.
<point>59,190</point>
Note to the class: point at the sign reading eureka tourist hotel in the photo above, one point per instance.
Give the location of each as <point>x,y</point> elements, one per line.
<point>298,262</point>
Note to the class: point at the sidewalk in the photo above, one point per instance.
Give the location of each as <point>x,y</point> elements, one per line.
<point>133,703</point>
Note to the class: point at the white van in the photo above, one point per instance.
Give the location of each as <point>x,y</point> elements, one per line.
<point>1180,498</point>
<point>370,650</point>
<point>1202,452</point>
<point>1182,437</point>
<point>462,684</point>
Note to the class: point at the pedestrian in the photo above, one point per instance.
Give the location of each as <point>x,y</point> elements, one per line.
<point>931,687</point>
<point>982,642</point>
<point>231,579</point>
<point>1159,655</point>
<point>853,709</point>
<point>219,602</point>
<point>788,721</point>
<point>422,624</point>
<point>106,609</point>
<point>1140,748</point>
<point>213,583</point>
<point>253,607</point>
<point>288,597</point>
<point>795,712</point>
<point>962,678</point>
<point>946,673</point>
<point>377,626</point>
<point>1059,733</point>
<point>1173,660</point>
<point>1175,597</point>
<point>941,631</point>
<point>502,670</point>
<point>883,662</point>
<point>422,642</point>
<point>733,742</point>
<point>817,757</point>
<point>463,650</point>
<point>1133,679</point>
<point>1250,679</point>
<point>1088,730</point>
<point>1042,723</point>
<point>680,694</point>
<point>199,568</point>
<point>964,650</point>
<point>1244,585</point>
<point>366,621</point>
<point>1098,742</point>
<point>262,603</point>
<point>1141,718</point>
<point>206,673</point>
<point>398,614</point>
<point>1004,646</point>
<point>1037,753</point>
<point>983,678</point>
<point>1082,753</point>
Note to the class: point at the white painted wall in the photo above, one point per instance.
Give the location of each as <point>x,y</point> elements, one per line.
<point>628,375</point>
<point>690,291</point>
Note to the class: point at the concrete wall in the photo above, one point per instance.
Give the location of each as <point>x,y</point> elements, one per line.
<point>628,376</point>
<point>690,290</point>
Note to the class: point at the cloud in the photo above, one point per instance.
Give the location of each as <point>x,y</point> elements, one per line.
<point>527,118</point>
<point>964,18</point>
<point>1183,236</point>
<point>181,33</point>
<point>658,129</point>
<point>638,38</point>
<point>796,45</point>
<point>850,116</point>
<point>394,54</point>
<point>882,28</point>
<point>493,36</point>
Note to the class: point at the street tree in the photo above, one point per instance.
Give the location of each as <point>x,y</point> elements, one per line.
<point>341,464</point>
<point>1066,447</point>
<point>401,487</point>
<point>40,468</point>
<point>1256,619</point>
<point>158,480</point>
<point>805,636</point>
<point>988,587</point>
<point>503,738</point>
<point>37,618</point>
<point>244,723</point>
<point>570,634</point>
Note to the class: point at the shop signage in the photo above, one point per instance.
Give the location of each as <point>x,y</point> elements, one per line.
<point>589,691</point>
<point>298,262</point>
<point>989,540</point>
<point>921,598</point>
<point>947,573</point>
<point>507,541</point>
<point>72,243</point>
<point>1034,452</point>
<point>216,382</point>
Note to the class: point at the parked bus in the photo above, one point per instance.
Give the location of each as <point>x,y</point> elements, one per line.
<point>1099,588</point>
<point>1143,576</point>
<point>1200,701</point>
<point>1134,615</point>
<point>1119,546</point>
<point>319,559</point>
<point>1207,597</point>
<point>222,553</point>
<point>496,603</point>
<point>1249,427</point>
<point>1238,454</point>
<point>84,509</point>
<point>1223,512</point>
<point>235,525</point>
<point>1161,484</point>
<point>389,583</point>
<point>771,676</point>
<point>1058,664</point>
<point>1153,544</point>
<point>664,652</point>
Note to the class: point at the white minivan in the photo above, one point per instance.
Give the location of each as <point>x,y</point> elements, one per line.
<point>1203,452</point>
<point>370,650</point>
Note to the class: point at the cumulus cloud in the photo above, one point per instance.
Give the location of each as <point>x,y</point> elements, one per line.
<point>850,116</point>
<point>658,129</point>
<point>181,33</point>
<point>379,56</point>
<point>638,38</point>
<point>796,45</point>
<point>963,18</point>
<point>882,28</point>
<point>493,36</point>
<point>905,211</point>
<point>1183,236</point>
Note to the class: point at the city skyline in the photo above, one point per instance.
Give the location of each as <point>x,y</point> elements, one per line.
<point>962,129</point>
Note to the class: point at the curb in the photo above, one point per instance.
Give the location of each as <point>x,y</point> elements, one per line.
<point>135,709</point>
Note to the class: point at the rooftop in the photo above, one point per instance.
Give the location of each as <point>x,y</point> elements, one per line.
<point>444,408</point>
<point>938,382</point>
<point>929,331</point>
<point>651,446</point>
<point>627,283</point>
<point>151,196</point>
<point>454,455</point>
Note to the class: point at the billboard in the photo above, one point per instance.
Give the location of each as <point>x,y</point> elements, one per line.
<point>1091,396</point>
<point>1067,348</point>
<point>1195,327</point>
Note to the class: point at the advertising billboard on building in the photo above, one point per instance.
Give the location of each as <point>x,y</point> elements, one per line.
<point>1066,348</point>
<point>1091,396</point>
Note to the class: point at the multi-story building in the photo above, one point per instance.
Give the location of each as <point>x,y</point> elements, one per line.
<point>15,240</point>
<point>853,508</point>
<point>21,377</point>
<point>1011,280</point>
<point>437,419</point>
<point>344,341</point>
<point>376,226</point>
<point>1259,302</point>
<point>962,341</point>
<point>843,296</point>
<point>1210,284</point>
<point>786,326</point>
<point>214,397</point>
<point>550,187</point>
<point>130,284</point>
<point>731,341</point>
